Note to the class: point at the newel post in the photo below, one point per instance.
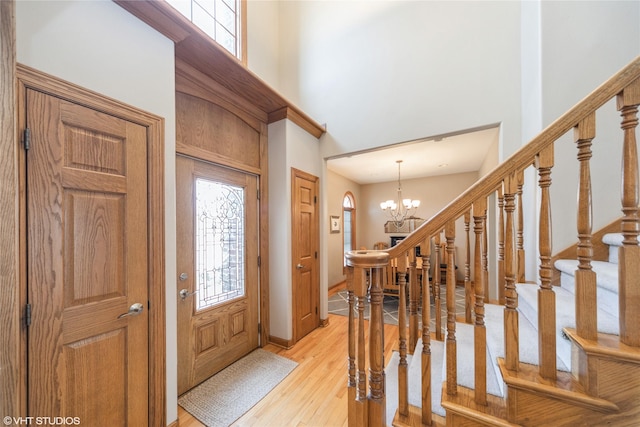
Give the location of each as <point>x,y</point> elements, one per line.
<point>367,268</point>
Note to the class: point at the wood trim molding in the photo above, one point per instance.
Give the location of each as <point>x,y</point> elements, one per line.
<point>198,50</point>
<point>11,386</point>
<point>31,78</point>
<point>297,118</point>
<point>281,342</point>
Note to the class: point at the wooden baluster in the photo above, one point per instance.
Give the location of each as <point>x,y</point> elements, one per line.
<point>351,358</point>
<point>360,289</point>
<point>437,301</point>
<point>501,281</point>
<point>468,292</point>
<point>485,257</point>
<point>512,351</point>
<point>413,301</point>
<point>452,374</point>
<point>546,296</point>
<point>585,277</point>
<point>376,399</point>
<point>425,251</point>
<point>403,381</point>
<point>480,332</point>
<point>629,252</point>
<point>520,232</point>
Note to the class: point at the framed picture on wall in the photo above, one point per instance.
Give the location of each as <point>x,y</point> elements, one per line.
<point>334,223</point>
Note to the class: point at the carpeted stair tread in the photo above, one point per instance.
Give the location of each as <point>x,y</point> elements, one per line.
<point>466,363</point>
<point>614,240</point>
<point>565,315</point>
<point>607,282</point>
<point>607,272</point>
<point>527,337</point>
<point>415,373</point>
<point>391,386</point>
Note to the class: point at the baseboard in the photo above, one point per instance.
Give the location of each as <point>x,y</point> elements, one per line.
<point>337,287</point>
<point>281,342</point>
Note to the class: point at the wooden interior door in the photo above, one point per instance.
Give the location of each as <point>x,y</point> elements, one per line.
<point>86,199</point>
<point>217,234</point>
<point>305,246</point>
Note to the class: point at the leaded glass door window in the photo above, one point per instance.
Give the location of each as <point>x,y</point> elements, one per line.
<point>220,236</point>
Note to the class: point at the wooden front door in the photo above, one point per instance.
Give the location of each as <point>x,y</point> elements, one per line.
<point>305,246</point>
<point>217,234</point>
<point>87,290</point>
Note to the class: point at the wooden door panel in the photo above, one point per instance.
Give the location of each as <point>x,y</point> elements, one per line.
<point>87,258</point>
<point>306,279</point>
<point>98,220</point>
<point>95,365</point>
<point>212,338</point>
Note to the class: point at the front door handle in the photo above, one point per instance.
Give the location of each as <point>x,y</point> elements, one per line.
<point>134,310</point>
<point>184,293</point>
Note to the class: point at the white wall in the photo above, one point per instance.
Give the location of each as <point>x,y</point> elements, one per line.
<point>280,304</point>
<point>583,43</point>
<point>100,46</point>
<point>289,147</point>
<point>389,71</point>
<point>263,44</point>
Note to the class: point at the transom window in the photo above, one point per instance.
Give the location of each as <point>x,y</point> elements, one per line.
<point>219,19</point>
<point>220,254</point>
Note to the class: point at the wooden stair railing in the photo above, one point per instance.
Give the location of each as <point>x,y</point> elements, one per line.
<point>505,184</point>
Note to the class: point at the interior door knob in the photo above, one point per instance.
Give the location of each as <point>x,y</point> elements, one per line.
<point>299,266</point>
<point>134,310</point>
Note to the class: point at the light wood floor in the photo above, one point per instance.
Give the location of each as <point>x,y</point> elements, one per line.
<point>315,393</point>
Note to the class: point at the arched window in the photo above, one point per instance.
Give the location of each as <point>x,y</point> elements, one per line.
<point>349,222</point>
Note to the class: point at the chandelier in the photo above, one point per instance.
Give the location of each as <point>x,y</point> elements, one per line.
<point>400,209</point>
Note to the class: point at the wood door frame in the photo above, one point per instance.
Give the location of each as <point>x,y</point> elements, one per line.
<point>11,383</point>
<point>29,78</point>
<point>297,173</point>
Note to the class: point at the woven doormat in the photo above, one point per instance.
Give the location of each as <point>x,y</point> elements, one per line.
<point>229,394</point>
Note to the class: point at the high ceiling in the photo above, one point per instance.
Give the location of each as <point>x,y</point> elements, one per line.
<point>451,154</point>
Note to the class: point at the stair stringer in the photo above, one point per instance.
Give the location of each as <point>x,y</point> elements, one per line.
<point>610,370</point>
<point>609,398</point>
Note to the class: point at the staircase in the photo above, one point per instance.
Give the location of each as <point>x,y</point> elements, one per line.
<point>542,353</point>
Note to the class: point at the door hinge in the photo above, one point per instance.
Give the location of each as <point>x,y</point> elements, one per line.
<point>316,310</point>
<point>315,199</point>
<point>27,315</point>
<point>259,260</point>
<point>316,254</point>
<point>26,139</point>
<point>258,193</point>
<point>259,328</point>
